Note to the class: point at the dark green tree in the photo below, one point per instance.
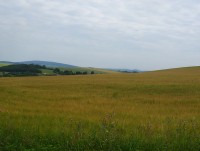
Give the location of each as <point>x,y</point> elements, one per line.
<point>56,70</point>
<point>66,72</point>
<point>85,72</point>
<point>78,73</point>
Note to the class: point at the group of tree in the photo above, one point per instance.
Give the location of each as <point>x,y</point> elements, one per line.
<point>35,70</point>
<point>21,70</point>
<point>69,72</point>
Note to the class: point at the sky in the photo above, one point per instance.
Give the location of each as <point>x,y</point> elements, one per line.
<point>133,34</point>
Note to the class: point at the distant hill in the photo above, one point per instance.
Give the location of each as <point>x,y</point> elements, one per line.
<point>182,70</point>
<point>62,66</point>
<point>6,62</point>
<point>47,64</point>
<point>126,70</point>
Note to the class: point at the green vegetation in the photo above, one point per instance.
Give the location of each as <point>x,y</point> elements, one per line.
<point>47,71</point>
<point>3,64</point>
<point>144,111</point>
<point>59,71</point>
<point>15,70</point>
<point>88,70</point>
<point>21,70</point>
<point>12,70</point>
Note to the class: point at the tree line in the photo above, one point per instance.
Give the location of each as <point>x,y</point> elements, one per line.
<point>69,72</point>
<point>34,70</point>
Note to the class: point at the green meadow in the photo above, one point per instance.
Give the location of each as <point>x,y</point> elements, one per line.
<point>113,112</point>
<point>3,64</point>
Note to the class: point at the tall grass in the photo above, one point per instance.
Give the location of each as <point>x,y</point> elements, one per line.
<point>148,111</point>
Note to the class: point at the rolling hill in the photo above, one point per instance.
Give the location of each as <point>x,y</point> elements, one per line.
<point>178,71</point>
<point>47,64</point>
<point>61,66</point>
<point>5,63</point>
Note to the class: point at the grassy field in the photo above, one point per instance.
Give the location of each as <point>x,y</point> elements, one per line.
<point>47,71</point>
<point>3,64</point>
<point>144,111</point>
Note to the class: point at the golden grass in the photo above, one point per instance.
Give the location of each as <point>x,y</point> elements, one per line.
<point>160,94</point>
<point>45,104</point>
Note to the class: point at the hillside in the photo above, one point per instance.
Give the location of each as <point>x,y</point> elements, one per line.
<point>69,67</point>
<point>177,71</point>
<point>90,69</point>
<point>20,70</point>
<point>13,70</point>
<point>47,64</point>
<point>61,66</point>
<point>5,63</point>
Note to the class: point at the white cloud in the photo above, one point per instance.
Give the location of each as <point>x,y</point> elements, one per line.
<point>109,26</point>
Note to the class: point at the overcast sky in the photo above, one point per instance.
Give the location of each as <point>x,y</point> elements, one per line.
<point>134,34</point>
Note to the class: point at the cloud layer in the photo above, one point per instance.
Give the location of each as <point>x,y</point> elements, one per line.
<point>144,34</point>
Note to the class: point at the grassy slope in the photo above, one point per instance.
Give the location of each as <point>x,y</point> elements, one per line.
<point>146,111</point>
<point>74,69</point>
<point>96,70</point>
<point>47,71</point>
<point>183,70</point>
<point>81,69</point>
<point>3,64</point>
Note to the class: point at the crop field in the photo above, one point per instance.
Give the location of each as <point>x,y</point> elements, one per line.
<point>144,111</point>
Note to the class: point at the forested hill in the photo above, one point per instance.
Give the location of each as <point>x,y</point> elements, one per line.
<point>47,64</point>
<point>36,70</point>
<point>21,69</point>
